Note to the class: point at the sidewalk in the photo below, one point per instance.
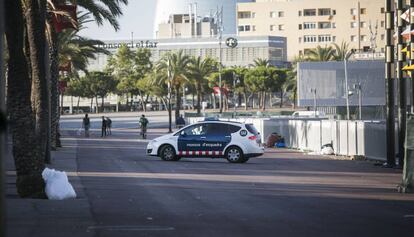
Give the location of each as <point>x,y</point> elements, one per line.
<point>43,218</point>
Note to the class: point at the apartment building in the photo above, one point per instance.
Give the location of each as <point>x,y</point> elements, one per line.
<point>309,23</point>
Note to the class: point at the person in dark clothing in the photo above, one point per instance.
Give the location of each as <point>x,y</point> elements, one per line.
<point>86,125</point>
<point>180,122</point>
<point>143,122</point>
<point>108,126</point>
<point>103,133</point>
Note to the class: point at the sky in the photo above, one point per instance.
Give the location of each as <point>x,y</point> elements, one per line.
<point>138,18</point>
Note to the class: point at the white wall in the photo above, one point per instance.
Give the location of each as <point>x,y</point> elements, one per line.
<point>349,138</point>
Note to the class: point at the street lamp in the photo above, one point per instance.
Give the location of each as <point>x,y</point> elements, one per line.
<point>358,88</point>
<point>169,97</point>
<point>313,91</point>
<point>235,81</point>
<point>346,89</point>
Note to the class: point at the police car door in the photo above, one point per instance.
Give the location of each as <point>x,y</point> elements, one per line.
<point>217,139</point>
<point>190,140</point>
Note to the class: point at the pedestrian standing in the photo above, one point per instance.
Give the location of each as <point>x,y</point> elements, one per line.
<point>86,125</point>
<point>108,126</point>
<point>143,122</point>
<point>103,132</point>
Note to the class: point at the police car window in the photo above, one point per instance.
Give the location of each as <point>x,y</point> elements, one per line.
<point>199,129</point>
<point>217,129</point>
<point>232,128</point>
<point>251,129</point>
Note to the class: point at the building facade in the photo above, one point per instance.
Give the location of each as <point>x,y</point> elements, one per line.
<point>203,8</point>
<point>309,23</point>
<point>248,49</point>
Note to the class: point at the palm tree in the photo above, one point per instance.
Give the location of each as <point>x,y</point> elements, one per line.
<point>320,54</point>
<point>199,71</point>
<point>291,82</point>
<point>342,52</point>
<point>29,164</point>
<point>260,62</point>
<point>177,64</point>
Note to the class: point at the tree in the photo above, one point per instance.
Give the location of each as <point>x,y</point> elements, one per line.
<point>199,71</point>
<point>342,51</point>
<point>260,62</point>
<point>142,66</point>
<point>29,164</point>
<point>177,64</point>
<point>320,54</point>
<point>101,84</point>
<point>121,67</point>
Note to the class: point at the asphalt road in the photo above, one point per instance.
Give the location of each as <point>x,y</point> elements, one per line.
<point>283,193</point>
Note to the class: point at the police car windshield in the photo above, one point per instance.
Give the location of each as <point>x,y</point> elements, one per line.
<point>252,129</point>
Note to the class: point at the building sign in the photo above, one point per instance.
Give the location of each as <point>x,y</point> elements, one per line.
<point>140,44</point>
<point>231,42</point>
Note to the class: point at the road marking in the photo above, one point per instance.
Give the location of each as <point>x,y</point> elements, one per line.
<point>131,228</point>
<point>408,216</point>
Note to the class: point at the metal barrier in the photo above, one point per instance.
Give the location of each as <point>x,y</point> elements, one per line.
<point>348,138</point>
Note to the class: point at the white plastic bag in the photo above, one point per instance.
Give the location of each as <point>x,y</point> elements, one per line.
<point>57,185</point>
<point>327,150</point>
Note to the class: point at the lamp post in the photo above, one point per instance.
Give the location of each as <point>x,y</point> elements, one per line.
<point>346,89</point>
<point>169,97</point>
<point>313,91</point>
<point>235,81</point>
<point>358,88</point>
<point>220,37</point>
<point>2,133</point>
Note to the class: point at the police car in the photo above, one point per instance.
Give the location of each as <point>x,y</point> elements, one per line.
<point>237,142</point>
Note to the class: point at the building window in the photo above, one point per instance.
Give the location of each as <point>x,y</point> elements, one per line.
<point>324,25</point>
<point>382,36</point>
<point>309,38</point>
<point>309,25</point>
<point>354,24</point>
<point>334,12</point>
<point>244,28</point>
<point>353,11</point>
<point>324,11</point>
<point>281,14</point>
<point>300,26</point>
<point>253,14</point>
<point>382,23</point>
<point>333,25</point>
<point>382,10</point>
<point>309,12</point>
<point>244,15</point>
<point>353,38</point>
<point>281,27</point>
<point>333,38</point>
<point>364,38</point>
<point>324,38</point>
<point>300,40</point>
<point>299,13</point>
<point>272,14</point>
<point>363,24</point>
<point>272,27</point>
<point>363,11</point>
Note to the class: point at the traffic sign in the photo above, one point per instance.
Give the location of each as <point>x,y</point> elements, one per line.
<point>231,42</point>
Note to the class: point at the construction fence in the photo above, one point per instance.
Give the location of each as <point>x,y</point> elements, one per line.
<point>348,138</point>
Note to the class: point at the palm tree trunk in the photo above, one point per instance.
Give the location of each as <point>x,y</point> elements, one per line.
<point>245,101</point>
<point>29,164</point>
<point>97,105</point>
<point>198,98</point>
<point>77,105</point>
<point>103,104</point>
<point>35,20</point>
<point>281,98</point>
<point>54,94</point>
<point>91,104</point>
<point>264,101</point>
<point>178,101</point>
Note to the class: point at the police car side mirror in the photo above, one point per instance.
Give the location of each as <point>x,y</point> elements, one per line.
<point>183,134</point>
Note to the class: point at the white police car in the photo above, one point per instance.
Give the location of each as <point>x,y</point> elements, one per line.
<point>236,142</point>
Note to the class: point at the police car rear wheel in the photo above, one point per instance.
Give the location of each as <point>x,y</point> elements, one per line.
<point>168,154</point>
<point>234,155</point>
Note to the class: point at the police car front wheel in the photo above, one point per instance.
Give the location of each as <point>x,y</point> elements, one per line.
<point>167,153</point>
<point>235,155</point>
